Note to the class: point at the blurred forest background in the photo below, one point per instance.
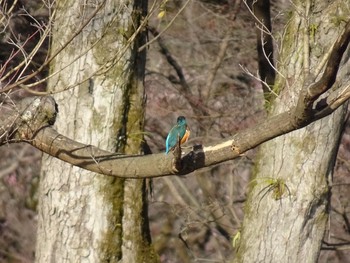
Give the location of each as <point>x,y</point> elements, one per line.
<point>204,66</point>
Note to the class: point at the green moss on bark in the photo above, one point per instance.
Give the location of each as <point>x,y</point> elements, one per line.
<point>113,191</point>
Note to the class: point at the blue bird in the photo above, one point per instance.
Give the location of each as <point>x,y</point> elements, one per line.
<point>180,130</point>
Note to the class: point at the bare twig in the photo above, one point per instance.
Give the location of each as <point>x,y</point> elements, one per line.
<point>55,53</point>
<point>260,10</point>
<point>100,70</point>
<point>245,70</point>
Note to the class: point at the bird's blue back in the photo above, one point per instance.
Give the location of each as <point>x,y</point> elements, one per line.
<point>178,130</point>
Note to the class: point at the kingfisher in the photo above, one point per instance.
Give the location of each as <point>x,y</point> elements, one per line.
<point>180,130</point>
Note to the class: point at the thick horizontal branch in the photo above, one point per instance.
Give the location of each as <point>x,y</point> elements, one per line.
<point>31,120</point>
<point>94,159</point>
<point>32,125</point>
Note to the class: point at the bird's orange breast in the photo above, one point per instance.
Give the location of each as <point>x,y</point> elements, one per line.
<point>185,137</point>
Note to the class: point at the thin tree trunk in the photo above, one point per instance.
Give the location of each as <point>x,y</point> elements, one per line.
<point>287,207</point>
<point>87,217</point>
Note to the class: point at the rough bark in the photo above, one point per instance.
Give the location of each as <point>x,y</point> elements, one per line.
<point>84,216</point>
<point>286,212</point>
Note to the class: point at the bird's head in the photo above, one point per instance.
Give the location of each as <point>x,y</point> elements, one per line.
<point>181,120</point>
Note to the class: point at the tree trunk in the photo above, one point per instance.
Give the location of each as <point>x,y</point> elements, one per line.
<point>287,207</point>
<point>83,216</point>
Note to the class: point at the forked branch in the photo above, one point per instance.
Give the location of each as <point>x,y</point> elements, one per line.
<point>305,107</point>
